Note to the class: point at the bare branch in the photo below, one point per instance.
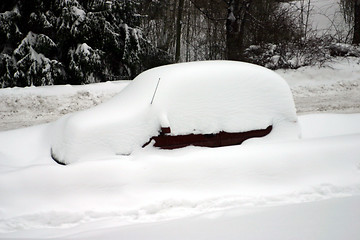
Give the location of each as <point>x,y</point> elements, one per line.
<point>206,14</point>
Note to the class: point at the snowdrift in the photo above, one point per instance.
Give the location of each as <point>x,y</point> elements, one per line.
<point>41,198</point>
<point>199,97</point>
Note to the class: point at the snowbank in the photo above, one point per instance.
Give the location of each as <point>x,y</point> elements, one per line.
<point>334,219</point>
<point>329,125</point>
<point>199,97</point>
<point>24,107</point>
<point>333,87</point>
<point>153,185</point>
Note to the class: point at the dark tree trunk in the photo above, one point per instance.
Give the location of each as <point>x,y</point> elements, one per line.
<point>178,30</point>
<point>356,39</point>
<point>238,12</point>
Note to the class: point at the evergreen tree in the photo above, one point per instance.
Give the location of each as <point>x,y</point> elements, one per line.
<point>72,41</point>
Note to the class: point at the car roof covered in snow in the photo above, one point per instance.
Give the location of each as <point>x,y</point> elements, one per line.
<point>198,97</point>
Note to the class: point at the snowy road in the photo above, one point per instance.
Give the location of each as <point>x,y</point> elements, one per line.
<point>335,87</point>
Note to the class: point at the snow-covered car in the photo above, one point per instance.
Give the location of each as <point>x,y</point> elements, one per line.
<point>200,99</point>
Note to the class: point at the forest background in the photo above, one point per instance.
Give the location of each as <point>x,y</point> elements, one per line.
<point>46,42</point>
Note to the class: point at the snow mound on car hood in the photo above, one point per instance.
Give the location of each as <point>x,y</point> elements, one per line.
<point>199,97</point>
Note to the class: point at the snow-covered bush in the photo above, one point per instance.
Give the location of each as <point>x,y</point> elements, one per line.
<point>86,64</point>
<point>7,70</point>
<point>291,54</point>
<point>344,50</point>
<point>38,42</point>
<point>198,97</point>
<point>9,31</point>
<point>32,66</point>
<point>38,70</point>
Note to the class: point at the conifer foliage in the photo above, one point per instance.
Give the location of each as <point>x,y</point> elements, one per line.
<point>45,42</point>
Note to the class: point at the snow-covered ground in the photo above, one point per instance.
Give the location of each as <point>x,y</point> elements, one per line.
<point>23,107</point>
<point>298,189</point>
<point>323,17</point>
<point>334,87</point>
<point>326,17</point>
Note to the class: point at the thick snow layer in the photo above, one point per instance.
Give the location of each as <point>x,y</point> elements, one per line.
<point>324,220</point>
<point>326,125</point>
<point>333,87</point>
<point>199,97</point>
<point>155,185</point>
<point>24,107</point>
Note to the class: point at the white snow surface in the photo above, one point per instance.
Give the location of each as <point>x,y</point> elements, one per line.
<point>198,97</point>
<point>78,12</point>
<point>325,17</point>
<point>306,188</point>
<point>321,220</point>
<point>155,185</point>
<point>83,48</point>
<point>24,107</point>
